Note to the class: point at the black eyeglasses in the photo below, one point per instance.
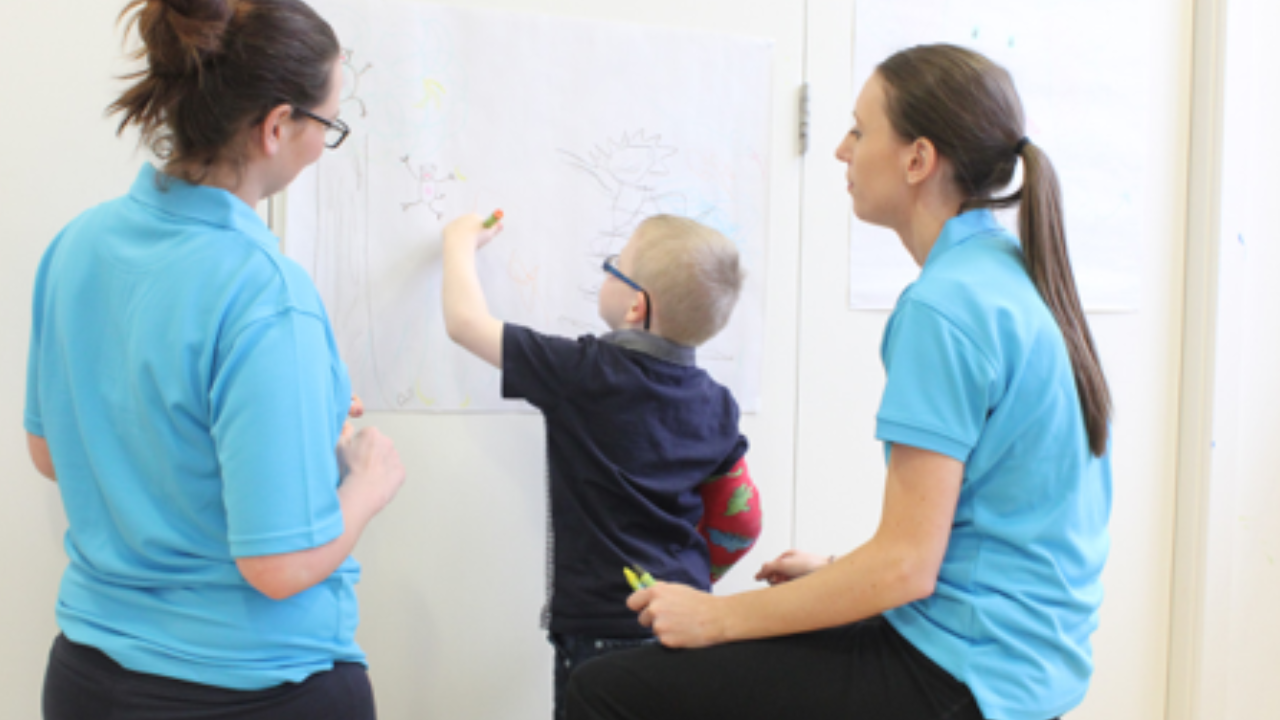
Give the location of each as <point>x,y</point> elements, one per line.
<point>610,267</point>
<point>335,131</point>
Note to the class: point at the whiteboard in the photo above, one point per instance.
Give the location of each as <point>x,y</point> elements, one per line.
<point>1075,104</point>
<point>576,129</point>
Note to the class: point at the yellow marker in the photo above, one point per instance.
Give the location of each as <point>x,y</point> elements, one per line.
<point>638,578</point>
<point>632,580</point>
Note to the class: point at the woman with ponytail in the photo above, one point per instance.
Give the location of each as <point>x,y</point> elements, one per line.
<point>185,393</point>
<point>978,594</point>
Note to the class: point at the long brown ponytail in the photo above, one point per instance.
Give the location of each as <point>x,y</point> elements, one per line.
<point>216,67</point>
<point>968,108</point>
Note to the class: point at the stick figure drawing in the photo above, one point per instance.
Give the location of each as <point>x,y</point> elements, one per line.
<point>351,79</point>
<point>428,181</point>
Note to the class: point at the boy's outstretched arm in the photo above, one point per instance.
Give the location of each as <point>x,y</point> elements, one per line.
<point>466,314</point>
<point>731,518</point>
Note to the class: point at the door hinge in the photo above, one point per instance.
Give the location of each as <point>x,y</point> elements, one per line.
<point>804,118</point>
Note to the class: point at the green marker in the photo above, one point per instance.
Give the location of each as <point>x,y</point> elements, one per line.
<point>493,219</point>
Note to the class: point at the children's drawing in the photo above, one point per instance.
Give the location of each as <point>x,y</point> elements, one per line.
<point>429,181</point>
<point>626,170</point>
<point>432,94</point>
<point>475,131</point>
<point>525,277</point>
<point>351,80</point>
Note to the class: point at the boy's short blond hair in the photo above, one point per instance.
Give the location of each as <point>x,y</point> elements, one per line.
<point>692,274</point>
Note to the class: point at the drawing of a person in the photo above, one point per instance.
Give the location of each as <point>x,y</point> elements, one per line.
<point>428,181</point>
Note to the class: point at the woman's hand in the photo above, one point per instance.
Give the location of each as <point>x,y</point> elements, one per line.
<point>680,616</point>
<point>790,565</point>
<point>356,410</point>
<point>372,467</point>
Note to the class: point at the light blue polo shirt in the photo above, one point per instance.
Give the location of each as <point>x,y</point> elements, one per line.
<point>185,377</point>
<point>978,371</point>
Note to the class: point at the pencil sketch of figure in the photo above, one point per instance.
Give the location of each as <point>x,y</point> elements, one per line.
<point>626,169</point>
<point>429,182</point>
<point>351,79</point>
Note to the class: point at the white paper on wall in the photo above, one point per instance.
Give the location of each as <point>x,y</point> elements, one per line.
<point>1079,76</point>
<point>577,130</point>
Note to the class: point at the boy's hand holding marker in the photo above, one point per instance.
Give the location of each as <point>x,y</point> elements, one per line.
<point>466,314</point>
<point>473,228</point>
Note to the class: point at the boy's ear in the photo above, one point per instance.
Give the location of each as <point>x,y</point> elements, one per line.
<point>636,312</point>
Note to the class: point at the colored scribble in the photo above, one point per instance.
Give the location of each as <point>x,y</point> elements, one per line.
<point>526,280</point>
<point>432,94</point>
<point>426,401</point>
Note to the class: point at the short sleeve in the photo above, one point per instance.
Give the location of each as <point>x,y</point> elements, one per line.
<point>736,455</point>
<point>939,385</point>
<point>32,416</point>
<point>541,368</point>
<point>275,421</point>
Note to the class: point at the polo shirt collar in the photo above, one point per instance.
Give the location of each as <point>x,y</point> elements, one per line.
<point>209,205</point>
<point>652,345</point>
<point>963,227</point>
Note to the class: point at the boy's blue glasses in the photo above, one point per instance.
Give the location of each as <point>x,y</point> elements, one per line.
<point>613,270</point>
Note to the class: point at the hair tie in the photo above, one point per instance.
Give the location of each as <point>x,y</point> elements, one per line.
<point>1017,149</point>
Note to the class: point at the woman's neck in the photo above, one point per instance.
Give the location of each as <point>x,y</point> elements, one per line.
<point>932,208</point>
<point>236,181</point>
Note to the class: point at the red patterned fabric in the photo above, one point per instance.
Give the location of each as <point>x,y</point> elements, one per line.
<point>731,518</point>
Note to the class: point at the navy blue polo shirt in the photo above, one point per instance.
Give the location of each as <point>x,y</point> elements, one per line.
<point>633,427</point>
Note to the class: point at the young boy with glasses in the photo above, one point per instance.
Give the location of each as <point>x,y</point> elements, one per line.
<point>645,461</point>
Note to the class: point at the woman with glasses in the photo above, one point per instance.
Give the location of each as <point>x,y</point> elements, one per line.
<point>185,393</point>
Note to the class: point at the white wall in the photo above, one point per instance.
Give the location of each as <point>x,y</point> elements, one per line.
<point>60,157</point>
<point>1246,472</point>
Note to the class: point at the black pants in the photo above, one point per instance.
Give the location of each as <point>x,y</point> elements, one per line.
<point>82,683</point>
<point>865,671</point>
<point>574,650</point>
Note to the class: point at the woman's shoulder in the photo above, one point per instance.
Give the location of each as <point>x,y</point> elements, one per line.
<point>985,293</point>
<point>260,275</point>
<point>984,276</point>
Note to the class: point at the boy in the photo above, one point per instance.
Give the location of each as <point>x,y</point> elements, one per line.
<point>639,440</point>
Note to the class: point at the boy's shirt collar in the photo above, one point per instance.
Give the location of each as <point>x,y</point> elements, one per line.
<point>652,345</point>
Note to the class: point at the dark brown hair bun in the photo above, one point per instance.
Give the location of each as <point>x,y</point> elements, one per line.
<point>217,67</point>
